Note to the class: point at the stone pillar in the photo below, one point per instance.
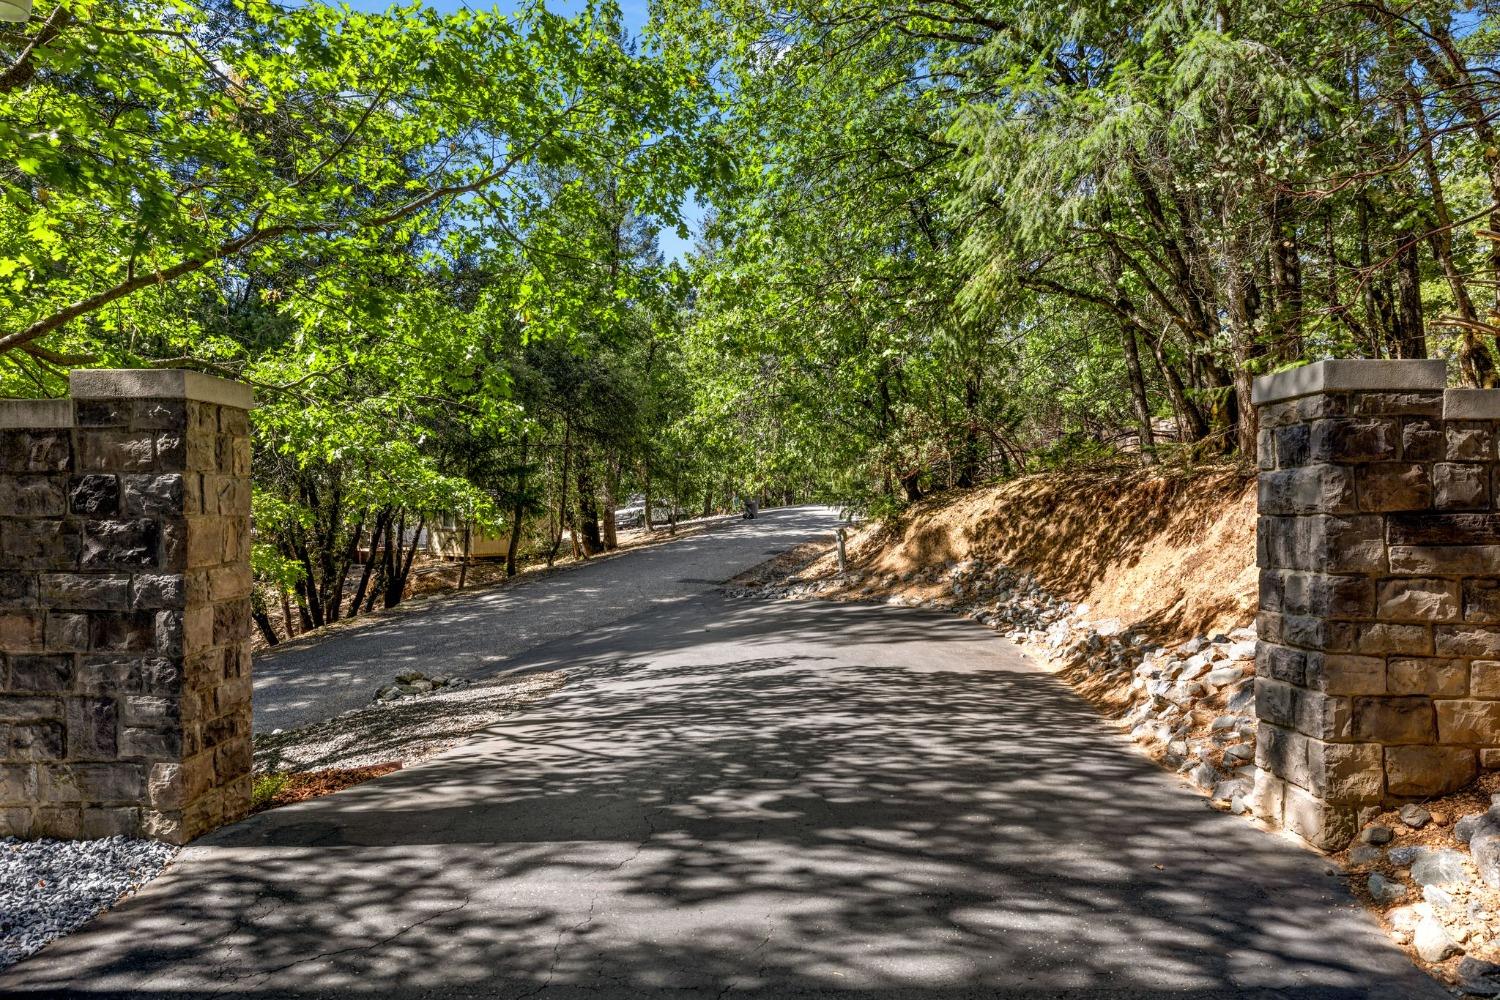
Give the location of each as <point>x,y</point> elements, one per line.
<point>1378,666</point>
<point>125,607</point>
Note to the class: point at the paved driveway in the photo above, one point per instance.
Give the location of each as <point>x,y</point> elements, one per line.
<point>766,800</point>
<point>478,634</point>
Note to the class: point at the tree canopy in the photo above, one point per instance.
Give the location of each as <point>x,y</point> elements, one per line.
<point>941,242</point>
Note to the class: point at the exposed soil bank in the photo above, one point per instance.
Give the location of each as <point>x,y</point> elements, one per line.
<point>1170,555</point>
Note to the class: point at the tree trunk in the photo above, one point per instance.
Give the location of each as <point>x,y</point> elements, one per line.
<point>562,500</point>
<point>517,514</point>
<point>607,515</point>
<point>591,538</point>
<point>263,622</point>
<point>463,567</point>
<point>381,517</point>
<point>1137,393</point>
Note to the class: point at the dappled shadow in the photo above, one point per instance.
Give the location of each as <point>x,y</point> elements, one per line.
<point>769,799</point>
<point>473,634</point>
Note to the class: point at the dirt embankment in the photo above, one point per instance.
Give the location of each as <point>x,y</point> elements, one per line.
<point>1170,555</point>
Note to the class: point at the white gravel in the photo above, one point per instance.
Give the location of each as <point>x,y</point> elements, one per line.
<point>49,888</point>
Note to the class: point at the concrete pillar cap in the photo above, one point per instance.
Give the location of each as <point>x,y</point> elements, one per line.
<point>1350,375</point>
<point>158,383</point>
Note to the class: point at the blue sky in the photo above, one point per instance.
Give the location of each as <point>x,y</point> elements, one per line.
<point>636,12</point>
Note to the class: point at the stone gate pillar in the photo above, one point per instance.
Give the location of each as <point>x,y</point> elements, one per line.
<point>1378,666</point>
<point>124,607</point>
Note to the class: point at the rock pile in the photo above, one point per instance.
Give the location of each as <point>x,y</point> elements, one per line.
<point>414,684</point>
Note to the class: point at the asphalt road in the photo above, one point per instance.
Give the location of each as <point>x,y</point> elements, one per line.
<point>753,799</point>
<point>478,634</point>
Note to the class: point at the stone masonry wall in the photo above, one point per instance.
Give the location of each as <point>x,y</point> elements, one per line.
<point>1378,665</point>
<point>124,607</point>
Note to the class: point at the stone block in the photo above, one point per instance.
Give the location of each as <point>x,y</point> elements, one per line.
<point>1489,758</point>
<point>1424,530</point>
<point>1460,486</point>
<point>1484,679</point>
<point>1468,721</point>
<point>1267,795</point>
<point>1265,448</point>
<point>36,543</point>
<point>1481,600</point>
<point>1280,663</point>
<point>1372,638</point>
<point>18,591</point>
<point>86,592</point>
<point>22,631</point>
<point>119,544</point>
<point>1412,771</point>
<point>29,708</point>
<point>93,413</point>
<point>1394,721</point>
<point>18,784</point>
<point>205,542</point>
<point>232,582</point>
<point>1307,408</point>
<point>231,621</point>
<point>36,674</point>
<point>36,742</point>
<point>123,632</point>
<point>1479,641</point>
<point>37,451</point>
<point>158,414</point>
<point>1445,560</point>
<point>1346,772</point>
<point>1436,678</point>
<point>67,631</point>
<point>99,821</point>
<point>1321,489</point>
<point>1322,543</point>
<point>1325,826</point>
<point>110,783</point>
<point>1348,440</point>
<point>1282,752</point>
<point>165,786</point>
<point>150,710</point>
<point>1429,404</point>
<point>1470,442</point>
<point>1346,673</point>
<point>116,451</point>
<point>1323,716</point>
<point>1327,596</point>
<point>151,744</point>
<point>60,823</point>
<point>1418,599</point>
<point>149,591</point>
<point>1422,440</point>
<point>92,727</point>
<point>154,495</point>
<point>32,496</point>
<point>94,495</point>
<point>1391,486</point>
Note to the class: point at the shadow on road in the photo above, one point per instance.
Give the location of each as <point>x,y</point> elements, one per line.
<point>767,800</point>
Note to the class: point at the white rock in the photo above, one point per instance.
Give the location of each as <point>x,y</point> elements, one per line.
<point>1432,941</point>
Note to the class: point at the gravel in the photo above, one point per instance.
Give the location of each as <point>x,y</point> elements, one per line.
<point>49,888</point>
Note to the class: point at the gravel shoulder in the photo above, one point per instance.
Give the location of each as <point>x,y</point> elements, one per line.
<point>49,888</point>
<point>409,730</point>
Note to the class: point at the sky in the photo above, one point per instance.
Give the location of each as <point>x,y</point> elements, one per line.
<point>636,12</point>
